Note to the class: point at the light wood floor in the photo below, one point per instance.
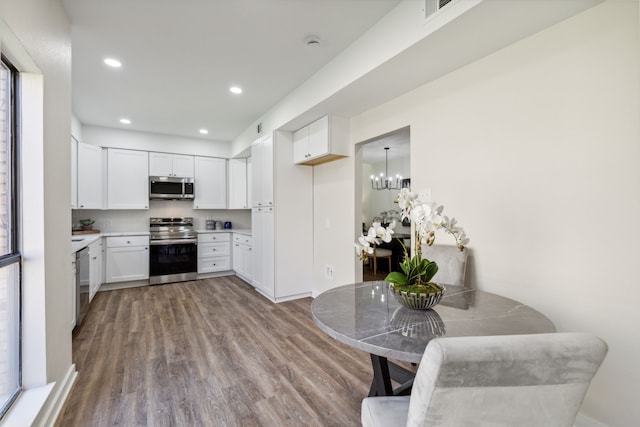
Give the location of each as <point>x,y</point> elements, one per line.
<point>210,353</point>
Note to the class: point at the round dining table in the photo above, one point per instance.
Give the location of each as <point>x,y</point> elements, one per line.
<point>367,317</point>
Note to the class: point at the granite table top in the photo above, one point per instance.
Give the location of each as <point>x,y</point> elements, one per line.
<point>366,316</point>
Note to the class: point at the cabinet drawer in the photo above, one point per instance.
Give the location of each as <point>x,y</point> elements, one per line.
<point>214,237</point>
<point>242,238</point>
<point>212,264</point>
<point>213,249</point>
<point>123,241</point>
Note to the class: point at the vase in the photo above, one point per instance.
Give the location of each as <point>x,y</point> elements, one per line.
<point>422,301</point>
<point>87,227</point>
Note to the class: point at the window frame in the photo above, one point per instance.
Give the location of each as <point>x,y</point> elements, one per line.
<point>14,256</point>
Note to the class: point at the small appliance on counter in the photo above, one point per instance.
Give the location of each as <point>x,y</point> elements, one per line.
<point>210,224</point>
<point>218,225</point>
<point>227,225</point>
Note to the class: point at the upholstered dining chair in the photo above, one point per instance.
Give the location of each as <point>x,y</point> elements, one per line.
<point>380,253</point>
<point>452,263</point>
<point>510,380</point>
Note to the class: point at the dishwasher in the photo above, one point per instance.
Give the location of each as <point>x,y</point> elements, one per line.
<point>82,285</point>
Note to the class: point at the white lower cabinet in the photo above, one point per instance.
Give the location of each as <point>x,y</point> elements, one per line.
<point>242,256</point>
<point>74,302</point>
<point>263,258</point>
<point>127,258</point>
<point>95,267</point>
<point>214,252</point>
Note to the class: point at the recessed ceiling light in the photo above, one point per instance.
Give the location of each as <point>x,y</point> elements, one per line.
<point>113,63</point>
<point>235,89</point>
<point>204,131</point>
<point>125,121</point>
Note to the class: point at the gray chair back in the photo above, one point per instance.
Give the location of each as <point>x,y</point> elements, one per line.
<point>452,263</point>
<point>517,380</point>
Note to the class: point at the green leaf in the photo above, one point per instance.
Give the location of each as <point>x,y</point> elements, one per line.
<point>428,270</point>
<point>396,278</point>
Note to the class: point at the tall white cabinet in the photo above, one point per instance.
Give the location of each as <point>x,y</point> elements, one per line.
<point>281,219</point>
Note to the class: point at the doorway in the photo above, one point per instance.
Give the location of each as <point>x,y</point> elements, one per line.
<point>384,167</point>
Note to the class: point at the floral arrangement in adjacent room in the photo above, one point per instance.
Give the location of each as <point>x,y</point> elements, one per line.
<point>417,272</point>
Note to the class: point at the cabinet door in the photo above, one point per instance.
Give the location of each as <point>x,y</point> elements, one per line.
<point>74,291</point>
<point>319,137</point>
<point>256,174</point>
<point>183,166</point>
<point>257,261</point>
<point>210,183</point>
<point>267,170</point>
<point>89,176</point>
<point>237,184</point>
<point>268,252</point>
<point>247,262</point>
<point>128,179</point>
<point>160,164</point>
<point>74,173</point>
<point>301,145</point>
<point>127,263</point>
<point>95,267</point>
<point>263,259</point>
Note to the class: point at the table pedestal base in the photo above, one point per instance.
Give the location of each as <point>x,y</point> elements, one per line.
<point>384,372</point>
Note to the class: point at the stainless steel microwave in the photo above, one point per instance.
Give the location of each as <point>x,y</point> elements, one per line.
<point>170,188</point>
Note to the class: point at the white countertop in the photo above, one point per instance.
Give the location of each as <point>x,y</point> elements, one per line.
<point>85,240</point>
<point>245,231</point>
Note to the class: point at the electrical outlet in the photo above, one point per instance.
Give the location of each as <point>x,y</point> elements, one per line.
<point>328,271</point>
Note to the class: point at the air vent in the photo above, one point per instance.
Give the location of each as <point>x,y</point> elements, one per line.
<point>432,7</point>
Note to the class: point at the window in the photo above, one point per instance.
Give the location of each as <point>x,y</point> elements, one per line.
<point>10,259</point>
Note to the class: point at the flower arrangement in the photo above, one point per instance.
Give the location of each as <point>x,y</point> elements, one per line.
<point>427,218</point>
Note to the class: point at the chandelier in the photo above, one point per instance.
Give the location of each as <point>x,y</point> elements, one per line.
<point>384,181</point>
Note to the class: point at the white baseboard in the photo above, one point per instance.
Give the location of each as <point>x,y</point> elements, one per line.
<point>54,404</point>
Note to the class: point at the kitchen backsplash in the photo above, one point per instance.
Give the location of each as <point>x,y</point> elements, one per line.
<point>138,220</point>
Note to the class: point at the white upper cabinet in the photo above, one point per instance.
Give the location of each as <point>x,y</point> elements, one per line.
<point>322,141</point>
<point>262,173</point>
<point>89,176</point>
<point>166,164</point>
<point>74,173</point>
<point>210,183</point>
<point>238,184</point>
<point>128,179</point>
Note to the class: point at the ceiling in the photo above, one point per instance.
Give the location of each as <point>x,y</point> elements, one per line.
<point>399,147</point>
<point>180,57</point>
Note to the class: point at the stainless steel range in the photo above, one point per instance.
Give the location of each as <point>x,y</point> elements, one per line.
<point>174,252</point>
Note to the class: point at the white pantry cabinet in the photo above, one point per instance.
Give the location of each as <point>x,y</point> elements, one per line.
<point>242,256</point>
<point>210,183</point>
<point>127,258</point>
<point>89,176</point>
<point>262,173</point>
<point>322,141</point>
<point>167,164</point>
<point>128,179</point>
<point>238,184</point>
<point>263,259</point>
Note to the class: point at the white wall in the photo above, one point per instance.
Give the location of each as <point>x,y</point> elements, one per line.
<point>146,141</point>
<point>535,150</point>
<point>43,36</point>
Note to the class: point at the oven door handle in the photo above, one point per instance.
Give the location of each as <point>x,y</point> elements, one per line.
<point>172,242</point>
